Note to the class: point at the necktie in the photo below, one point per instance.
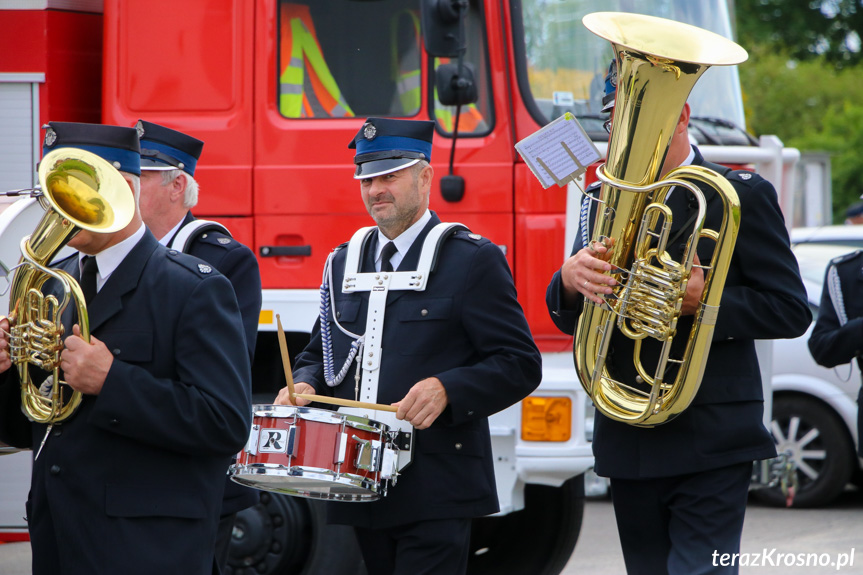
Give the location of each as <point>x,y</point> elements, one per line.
<point>88,278</point>
<point>386,254</point>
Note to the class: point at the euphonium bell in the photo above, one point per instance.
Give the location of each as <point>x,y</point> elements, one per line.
<point>80,191</point>
<point>658,63</point>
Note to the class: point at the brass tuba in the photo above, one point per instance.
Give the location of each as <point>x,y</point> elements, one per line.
<point>658,63</point>
<point>80,191</point>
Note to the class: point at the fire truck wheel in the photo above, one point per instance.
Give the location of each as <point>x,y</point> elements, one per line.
<point>820,446</point>
<point>538,540</point>
<point>284,535</point>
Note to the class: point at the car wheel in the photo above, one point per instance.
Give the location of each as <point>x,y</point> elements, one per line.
<point>538,540</point>
<point>820,447</point>
<point>284,535</point>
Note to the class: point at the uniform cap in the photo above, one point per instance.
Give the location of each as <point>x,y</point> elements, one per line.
<point>854,210</point>
<point>610,89</point>
<point>166,149</point>
<point>116,144</point>
<point>385,145</point>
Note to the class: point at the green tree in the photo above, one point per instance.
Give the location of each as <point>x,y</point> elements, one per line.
<point>806,29</point>
<point>811,106</point>
<point>842,136</point>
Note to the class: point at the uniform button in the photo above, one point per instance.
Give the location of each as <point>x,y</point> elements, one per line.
<point>55,470</point>
<point>338,314</point>
<point>458,446</point>
<point>203,236</point>
<point>114,422</point>
<point>57,432</point>
<point>116,351</point>
<point>470,412</point>
<point>639,379</point>
<point>424,312</point>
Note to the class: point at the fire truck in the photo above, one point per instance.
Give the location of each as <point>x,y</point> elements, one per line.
<point>276,90</point>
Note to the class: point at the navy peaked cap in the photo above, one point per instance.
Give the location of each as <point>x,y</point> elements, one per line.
<point>116,144</point>
<point>386,145</point>
<point>854,210</point>
<point>166,149</point>
<point>610,88</point>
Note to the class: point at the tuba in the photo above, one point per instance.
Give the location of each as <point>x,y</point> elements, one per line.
<point>658,63</point>
<point>80,191</point>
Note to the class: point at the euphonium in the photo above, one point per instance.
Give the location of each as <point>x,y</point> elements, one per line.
<point>80,191</point>
<point>658,63</point>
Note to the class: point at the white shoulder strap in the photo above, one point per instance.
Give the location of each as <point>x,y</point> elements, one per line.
<point>191,230</point>
<point>355,249</point>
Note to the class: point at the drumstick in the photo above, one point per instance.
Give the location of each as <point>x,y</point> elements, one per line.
<point>286,359</point>
<point>346,402</point>
<point>320,398</point>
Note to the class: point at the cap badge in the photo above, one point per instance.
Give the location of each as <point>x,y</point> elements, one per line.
<point>369,131</point>
<point>745,176</point>
<point>50,137</point>
<point>474,236</point>
<point>224,241</point>
<point>204,268</point>
<point>140,128</point>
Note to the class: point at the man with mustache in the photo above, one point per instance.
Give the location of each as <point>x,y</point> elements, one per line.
<point>448,351</point>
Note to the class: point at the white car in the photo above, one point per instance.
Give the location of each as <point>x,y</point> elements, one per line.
<point>815,408</point>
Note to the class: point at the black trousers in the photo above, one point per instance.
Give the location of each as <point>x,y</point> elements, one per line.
<point>682,525</point>
<point>437,547</point>
<point>223,542</point>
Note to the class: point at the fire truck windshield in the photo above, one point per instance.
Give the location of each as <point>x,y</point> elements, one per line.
<point>566,64</point>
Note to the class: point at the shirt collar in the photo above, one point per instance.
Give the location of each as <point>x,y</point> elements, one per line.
<point>403,242</point>
<point>167,238</point>
<point>690,158</point>
<point>110,258</point>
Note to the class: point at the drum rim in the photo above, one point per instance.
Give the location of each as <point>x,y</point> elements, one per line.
<point>240,473</point>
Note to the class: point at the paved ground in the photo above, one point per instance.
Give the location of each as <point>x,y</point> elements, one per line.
<point>829,534</point>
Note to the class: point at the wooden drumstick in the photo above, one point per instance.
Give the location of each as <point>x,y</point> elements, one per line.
<point>347,402</point>
<point>286,359</point>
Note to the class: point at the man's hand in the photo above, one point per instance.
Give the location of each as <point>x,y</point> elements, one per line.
<point>584,273</point>
<point>85,365</point>
<point>284,397</point>
<point>5,360</point>
<point>694,289</point>
<point>425,401</point>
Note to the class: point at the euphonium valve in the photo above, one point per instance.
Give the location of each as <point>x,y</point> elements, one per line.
<point>80,191</point>
<point>658,63</point>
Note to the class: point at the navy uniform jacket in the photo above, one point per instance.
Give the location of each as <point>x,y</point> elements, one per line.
<point>134,479</point>
<point>833,342</point>
<point>763,298</point>
<point>467,329</point>
<point>237,263</point>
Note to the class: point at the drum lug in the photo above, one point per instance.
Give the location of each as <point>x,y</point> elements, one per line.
<point>252,444</point>
<point>368,454</point>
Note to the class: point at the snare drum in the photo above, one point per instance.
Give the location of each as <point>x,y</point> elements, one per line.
<point>316,453</point>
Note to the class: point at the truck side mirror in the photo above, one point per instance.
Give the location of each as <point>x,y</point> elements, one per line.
<point>442,22</point>
<point>455,84</point>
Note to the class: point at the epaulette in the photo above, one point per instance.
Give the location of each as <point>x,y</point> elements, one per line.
<point>216,238</point>
<point>744,177</point>
<point>845,257</point>
<point>465,234</point>
<point>191,263</point>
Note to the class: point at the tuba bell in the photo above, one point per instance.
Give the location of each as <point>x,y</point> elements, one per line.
<point>80,191</point>
<point>658,62</point>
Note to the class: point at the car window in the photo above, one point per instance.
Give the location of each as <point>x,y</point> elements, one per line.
<point>814,257</point>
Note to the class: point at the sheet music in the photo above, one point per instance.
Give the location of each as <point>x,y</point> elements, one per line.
<point>559,152</point>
